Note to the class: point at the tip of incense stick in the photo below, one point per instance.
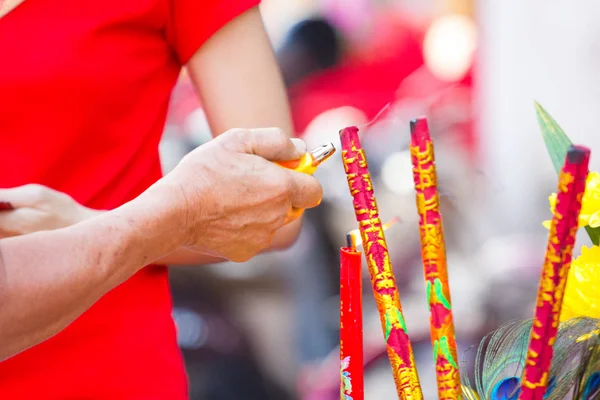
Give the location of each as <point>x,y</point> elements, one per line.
<point>577,154</point>
<point>349,135</point>
<point>419,128</point>
<point>350,240</point>
<point>350,130</point>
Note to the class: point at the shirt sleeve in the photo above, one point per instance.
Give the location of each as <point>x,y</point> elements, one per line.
<point>193,22</point>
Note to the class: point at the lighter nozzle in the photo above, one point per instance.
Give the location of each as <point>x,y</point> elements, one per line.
<point>322,153</point>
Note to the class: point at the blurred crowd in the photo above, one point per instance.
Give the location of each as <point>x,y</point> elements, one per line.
<point>268,329</point>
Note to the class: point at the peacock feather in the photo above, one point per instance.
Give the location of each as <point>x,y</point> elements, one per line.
<point>575,372</point>
<point>587,386</point>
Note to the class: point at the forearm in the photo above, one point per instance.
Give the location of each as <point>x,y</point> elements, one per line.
<point>48,279</point>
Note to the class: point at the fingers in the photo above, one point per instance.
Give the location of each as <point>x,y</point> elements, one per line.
<point>300,146</point>
<point>269,143</point>
<point>293,214</point>
<point>306,191</point>
<point>24,196</point>
<point>14,223</point>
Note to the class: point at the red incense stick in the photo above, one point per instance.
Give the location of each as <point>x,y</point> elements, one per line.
<point>433,253</point>
<point>561,239</point>
<point>380,268</point>
<point>351,324</point>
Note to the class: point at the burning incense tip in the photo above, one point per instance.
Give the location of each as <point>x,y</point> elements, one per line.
<point>419,130</point>
<point>353,238</point>
<point>351,131</point>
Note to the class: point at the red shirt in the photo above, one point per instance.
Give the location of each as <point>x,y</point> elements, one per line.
<point>84,89</point>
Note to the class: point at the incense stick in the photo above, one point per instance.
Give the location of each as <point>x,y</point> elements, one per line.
<point>380,269</point>
<point>561,239</point>
<point>433,253</point>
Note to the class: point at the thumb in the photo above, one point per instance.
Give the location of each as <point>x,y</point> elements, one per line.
<point>269,143</point>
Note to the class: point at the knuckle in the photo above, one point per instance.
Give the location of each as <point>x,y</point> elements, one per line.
<point>240,137</point>
<point>35,191</point>
<point>280,135</point>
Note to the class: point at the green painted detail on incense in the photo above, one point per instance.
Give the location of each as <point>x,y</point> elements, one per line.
<point>436,350</point>
<point>388,326</point>
<point>441,347</point>
<point>557,145</point>
<point>439,293</point>
<point>402,321</point>
<point>445,347</point>
<point>428,289</point>
<point>391,316</point>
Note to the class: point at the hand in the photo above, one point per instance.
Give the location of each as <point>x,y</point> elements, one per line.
<point>233,198</point>
<point>39,208</point>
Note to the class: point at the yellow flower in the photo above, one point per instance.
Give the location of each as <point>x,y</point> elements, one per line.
<point>590,208</point>
<point>582,294</point>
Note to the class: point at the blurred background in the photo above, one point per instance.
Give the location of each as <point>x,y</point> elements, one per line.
<point>268,329</point>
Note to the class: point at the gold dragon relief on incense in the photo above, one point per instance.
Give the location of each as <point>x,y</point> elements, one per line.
<point>426,205</point>
<point>448,381</point>
<point>565,179</point>
<point>551,291</point>
<point>424,170</point>
<point>432,239</point>
<point>407,382</point>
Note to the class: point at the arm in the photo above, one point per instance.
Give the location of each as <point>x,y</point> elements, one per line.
<point>247,92</point>
<point>47,279</point>
<point>213,201</point>
<point>239,81</point>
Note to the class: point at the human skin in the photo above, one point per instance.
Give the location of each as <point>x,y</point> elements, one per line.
<point>248,94</point>
<point>227,198</point>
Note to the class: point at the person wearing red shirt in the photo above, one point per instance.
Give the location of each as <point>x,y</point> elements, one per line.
<point>85,89</point>
<point>39,298</point>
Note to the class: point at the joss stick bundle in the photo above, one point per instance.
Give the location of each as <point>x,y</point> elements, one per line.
<point>386,294</point>
<point>433,253</point>
<point>351,323</point>
<point>555,270</point>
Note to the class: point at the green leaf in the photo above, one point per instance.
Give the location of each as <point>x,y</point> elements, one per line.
<point>557,144</point>
<point>594,234</point>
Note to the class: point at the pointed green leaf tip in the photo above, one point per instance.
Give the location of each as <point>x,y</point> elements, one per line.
<point>558,144</point>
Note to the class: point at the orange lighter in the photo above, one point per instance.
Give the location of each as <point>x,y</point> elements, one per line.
<point>309,162</point>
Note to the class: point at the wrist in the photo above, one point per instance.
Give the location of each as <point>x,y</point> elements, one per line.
<point>163,201</point>
<point>85,213</point>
